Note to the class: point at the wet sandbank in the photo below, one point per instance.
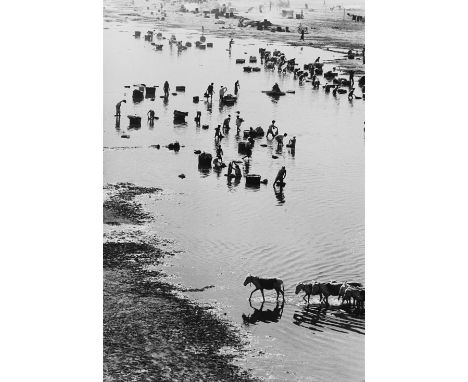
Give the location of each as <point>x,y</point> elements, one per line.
<point>152,332</point>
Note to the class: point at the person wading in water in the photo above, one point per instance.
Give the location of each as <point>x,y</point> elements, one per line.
<point>272,129</point>
<point>280,177</point>
<point>166,89</point>
<point>236,87</point>
<point>117,108</point>
<point>210,91</point>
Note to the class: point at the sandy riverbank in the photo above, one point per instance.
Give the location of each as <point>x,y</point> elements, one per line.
<point>151,332</point>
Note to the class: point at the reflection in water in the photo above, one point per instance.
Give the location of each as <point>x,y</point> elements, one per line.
<point>320,318</point>
<point>204,171</point>
<point>232,183</point>
<point>246,166</point>
<point>266,316</point>
<point>279,194</point>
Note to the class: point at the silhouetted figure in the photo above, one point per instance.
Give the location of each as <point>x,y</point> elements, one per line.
<point>292,143</point>
<point>236,87</point>
<point>276,88</point>
<point>302,35</point>
<point>351,78</point>
<point>226,122</point>
<point>198,118</point>
<point>166,89</point>
<point>150,115</point>
<point>279,138</point>
<point>117,107</point>
<point>239,121</point>
<point>280,177</point>
<point>219,152</point>
<point>222,91</point>
<point>237,171</point>
<point>218,135</point>
<point>210,91</point>
<point>272,129</point>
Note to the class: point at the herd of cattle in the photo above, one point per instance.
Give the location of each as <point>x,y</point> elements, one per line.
<point>352,293</point>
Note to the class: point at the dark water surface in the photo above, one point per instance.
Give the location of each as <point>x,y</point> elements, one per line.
<point>314,229</point>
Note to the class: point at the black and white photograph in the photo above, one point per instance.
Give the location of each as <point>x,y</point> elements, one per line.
<point>199,190</point>
<point>234,190</point>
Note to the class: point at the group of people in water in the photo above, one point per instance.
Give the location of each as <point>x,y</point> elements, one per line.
<point>222,91</point>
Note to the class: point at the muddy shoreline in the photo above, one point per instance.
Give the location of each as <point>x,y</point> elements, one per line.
<point>151,331</point>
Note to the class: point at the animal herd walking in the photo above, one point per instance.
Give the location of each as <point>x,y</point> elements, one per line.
<point>350,293</point>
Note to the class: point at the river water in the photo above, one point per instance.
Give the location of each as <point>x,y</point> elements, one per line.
<point>313,229</point>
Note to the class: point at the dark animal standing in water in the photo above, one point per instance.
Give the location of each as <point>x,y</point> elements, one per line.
<point>267,284</point>
<point>322,289</point>
<point>309,289</point>
<point>345,285</point>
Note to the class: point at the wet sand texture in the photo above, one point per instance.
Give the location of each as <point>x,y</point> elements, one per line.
<point>151,334</point>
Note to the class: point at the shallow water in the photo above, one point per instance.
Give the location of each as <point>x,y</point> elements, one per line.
<point>314,229</point>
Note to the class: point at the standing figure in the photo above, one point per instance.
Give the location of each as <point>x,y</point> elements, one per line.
<point>117,108</point>
<point>229,173</point>
<point>222,91</point>
<point>226,122</point>
<point>292,143</point>
<point>280,177</point>
<point>198,118</point>
<point>219,152</point>
<point>166,89</point>
<point>239,121</point>
<point>218,135</point>
<point>302,34</point>
<point>236,87</point>
<point>272,129</point>
<point>210,91</point>
<point>150,115</point>
<point>279,138</point>
<point>237,171</point>
<point>351,78</point>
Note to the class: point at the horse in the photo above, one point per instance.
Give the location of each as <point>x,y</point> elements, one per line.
<point>329,289</point>
<point>355,293</point>
<point>345,285</point>
<point>267,284</point>
<point>309,289</point>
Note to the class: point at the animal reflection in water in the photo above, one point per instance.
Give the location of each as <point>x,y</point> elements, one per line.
<point>267,284</point>
<point>267,315</point>
<point>318,318</point>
